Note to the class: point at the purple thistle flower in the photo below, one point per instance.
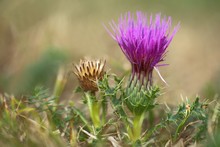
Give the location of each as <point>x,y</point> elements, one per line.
<point>143,41</point>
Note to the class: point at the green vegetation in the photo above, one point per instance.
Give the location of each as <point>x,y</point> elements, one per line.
<point>40,120</point>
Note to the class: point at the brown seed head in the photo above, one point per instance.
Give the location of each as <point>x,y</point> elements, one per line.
<point>89,72</point>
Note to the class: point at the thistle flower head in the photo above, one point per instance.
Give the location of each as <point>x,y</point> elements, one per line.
<point>89,72</point>
<point>143,41</point>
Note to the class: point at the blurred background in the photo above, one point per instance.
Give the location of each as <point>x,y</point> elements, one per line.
<point>37,37</point>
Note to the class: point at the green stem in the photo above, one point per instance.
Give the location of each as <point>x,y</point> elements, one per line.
<point>137,126</point>
<point>179,128</point>
<point>94,108</point>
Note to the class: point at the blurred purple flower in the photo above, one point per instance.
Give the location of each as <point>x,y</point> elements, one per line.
<point>143,41</point>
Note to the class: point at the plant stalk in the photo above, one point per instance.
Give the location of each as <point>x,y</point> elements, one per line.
<point>180,127</point>
<point>94,108</point>
<point>137,127</point>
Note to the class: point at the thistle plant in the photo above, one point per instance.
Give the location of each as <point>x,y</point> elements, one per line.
<point>144,43</point>
<point>118,110</point>
<point>88,73</point>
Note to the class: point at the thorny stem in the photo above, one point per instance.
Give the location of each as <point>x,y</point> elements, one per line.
<point>94,108</point>
<point>135,132</point>
<point>180,126</point>
<point>137,126</point>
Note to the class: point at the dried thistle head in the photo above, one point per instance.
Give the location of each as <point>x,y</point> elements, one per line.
<point>89,72</point>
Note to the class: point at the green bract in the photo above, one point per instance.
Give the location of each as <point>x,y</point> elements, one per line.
<point>140,100</point>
